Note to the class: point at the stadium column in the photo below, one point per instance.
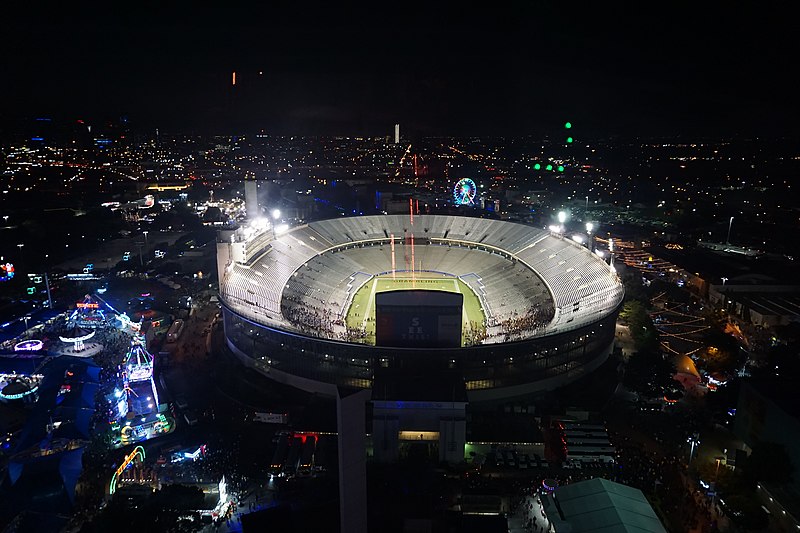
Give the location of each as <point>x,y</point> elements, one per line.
<point>351,415</point>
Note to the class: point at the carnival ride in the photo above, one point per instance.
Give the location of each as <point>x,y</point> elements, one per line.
<point>464,192</point>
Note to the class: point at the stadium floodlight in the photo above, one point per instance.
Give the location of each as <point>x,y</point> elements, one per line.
<point>578,238</point>
<point>562,217</point>
<point>589,227</point>
<point>281,228</point>
<point>276,216</point>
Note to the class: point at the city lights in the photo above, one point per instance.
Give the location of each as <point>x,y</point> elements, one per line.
<point>217,229</point>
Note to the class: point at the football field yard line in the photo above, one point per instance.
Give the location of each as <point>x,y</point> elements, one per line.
<point>368,307</point>
<point>464,315</point>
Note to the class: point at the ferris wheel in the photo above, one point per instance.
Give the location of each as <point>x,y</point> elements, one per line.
<point>464,192</point>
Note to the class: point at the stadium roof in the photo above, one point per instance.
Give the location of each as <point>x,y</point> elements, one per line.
<point>602,506</point>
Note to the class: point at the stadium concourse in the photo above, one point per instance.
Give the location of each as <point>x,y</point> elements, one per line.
<point>546,306</point>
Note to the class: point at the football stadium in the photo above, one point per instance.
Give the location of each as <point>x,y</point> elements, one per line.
<point>506,308</point>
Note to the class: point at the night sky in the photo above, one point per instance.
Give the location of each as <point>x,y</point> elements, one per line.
<point>610,68</point>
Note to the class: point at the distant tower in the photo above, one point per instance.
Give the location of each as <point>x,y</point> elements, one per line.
<point>251,198</point>
<point>397,134</point>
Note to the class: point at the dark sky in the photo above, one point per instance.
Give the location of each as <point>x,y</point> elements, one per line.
<point>636,68</point>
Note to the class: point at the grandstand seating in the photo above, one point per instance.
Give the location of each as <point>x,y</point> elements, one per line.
<point>511,266</point>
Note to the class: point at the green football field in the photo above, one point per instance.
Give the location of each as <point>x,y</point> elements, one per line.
<point>363,305</point>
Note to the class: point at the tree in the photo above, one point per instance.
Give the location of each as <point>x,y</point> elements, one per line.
<point>634,289</point>
<point>643,332</point>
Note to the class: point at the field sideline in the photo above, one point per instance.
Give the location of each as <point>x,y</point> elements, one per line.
<point>362,306</point>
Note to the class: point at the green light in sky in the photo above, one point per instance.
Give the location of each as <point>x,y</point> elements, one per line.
<point>537,166</point>
<point>561,168</point>
<point>568,125</point>
<point>549,167</point>
<point>569,140</point>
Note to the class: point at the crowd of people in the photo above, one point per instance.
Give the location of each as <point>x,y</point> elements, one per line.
<point>529,507</point>
<point>515,326</point>
<point>318,321</point>
<point>475,333</point>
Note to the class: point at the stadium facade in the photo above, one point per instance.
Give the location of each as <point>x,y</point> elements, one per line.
<point>550,305</point>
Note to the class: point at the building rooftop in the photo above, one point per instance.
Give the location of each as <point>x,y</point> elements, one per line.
<point>602,506</point>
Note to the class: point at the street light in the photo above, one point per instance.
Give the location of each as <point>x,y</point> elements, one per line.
<point>694,440</point>
<point>728,240</point>
<point>145,237</point>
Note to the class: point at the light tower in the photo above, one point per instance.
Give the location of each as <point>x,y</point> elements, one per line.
<point>589,232</point>
<point>397,134</point>
<point>276,217</point>
<point>562,217</point>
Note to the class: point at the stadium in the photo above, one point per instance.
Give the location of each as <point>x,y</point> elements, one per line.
<point>506,308</point>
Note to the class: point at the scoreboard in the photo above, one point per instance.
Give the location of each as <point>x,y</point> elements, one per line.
<point>418,319</point>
